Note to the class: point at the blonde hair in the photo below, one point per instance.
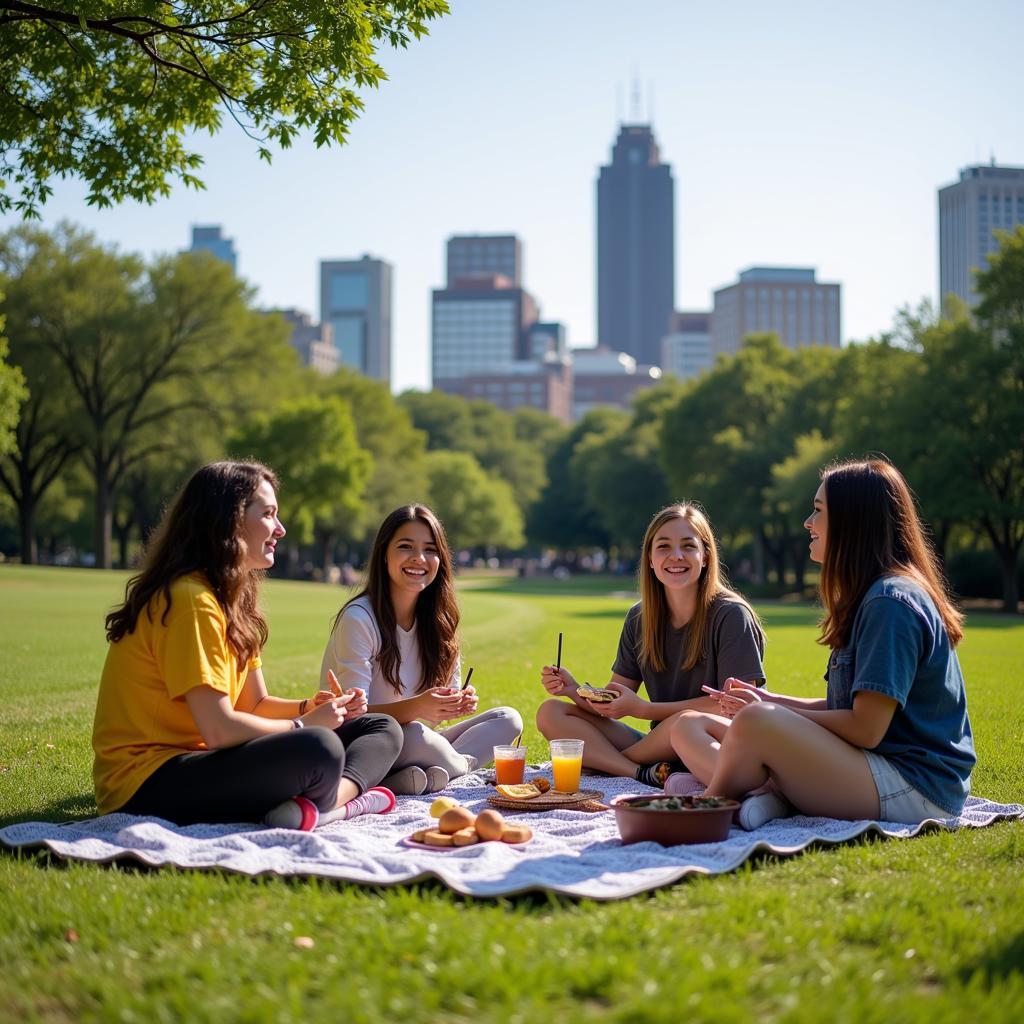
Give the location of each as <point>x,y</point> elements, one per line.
<point>654,613</point>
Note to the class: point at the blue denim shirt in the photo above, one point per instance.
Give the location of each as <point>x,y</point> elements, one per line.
<point>899,647</point>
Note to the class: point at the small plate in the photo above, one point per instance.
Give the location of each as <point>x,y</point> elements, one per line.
<point>413,845</point>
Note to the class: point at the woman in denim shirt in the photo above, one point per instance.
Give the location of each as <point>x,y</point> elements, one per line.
<point>891,740</point>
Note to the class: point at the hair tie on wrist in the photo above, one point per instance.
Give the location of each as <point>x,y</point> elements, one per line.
<point>302,706</point>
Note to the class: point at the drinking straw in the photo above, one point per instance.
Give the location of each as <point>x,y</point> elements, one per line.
<point>558,660</point>
<point>469,675</point>
<point>519,739</point>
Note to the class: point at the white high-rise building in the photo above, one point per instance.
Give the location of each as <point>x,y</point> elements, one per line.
<point>984,200</point>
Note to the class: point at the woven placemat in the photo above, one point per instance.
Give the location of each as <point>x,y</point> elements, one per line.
<point>583,800</point>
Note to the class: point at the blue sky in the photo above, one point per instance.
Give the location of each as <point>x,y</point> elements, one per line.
<point>810,134</point>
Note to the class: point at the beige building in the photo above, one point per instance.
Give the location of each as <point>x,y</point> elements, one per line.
<point>788,301</point>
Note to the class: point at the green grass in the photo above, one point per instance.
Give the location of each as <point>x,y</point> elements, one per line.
<point>927,930</point>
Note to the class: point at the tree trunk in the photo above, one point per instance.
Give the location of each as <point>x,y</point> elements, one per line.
<point>1011,590</point>
<point>104,518</point>
<point>27,523</point>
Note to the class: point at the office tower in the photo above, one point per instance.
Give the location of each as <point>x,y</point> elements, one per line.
<point>478,323</point>
<point>602,376</point>
<point>635,246</point>
<point>355,299</point>
<point>986,198</point>
<point>473,255</point>
<point>686,349</point>
<point>210,238</point>
<point>314,342</point>
<point>788,301</point>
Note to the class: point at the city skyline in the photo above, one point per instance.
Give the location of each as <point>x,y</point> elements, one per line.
<point>802,136</point>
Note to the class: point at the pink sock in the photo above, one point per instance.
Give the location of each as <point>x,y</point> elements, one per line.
<point>377,800</point>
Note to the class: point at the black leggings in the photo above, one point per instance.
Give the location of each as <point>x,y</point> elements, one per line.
<point>242,783</point>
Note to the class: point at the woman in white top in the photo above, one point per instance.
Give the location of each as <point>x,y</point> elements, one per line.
<point>397,640</point>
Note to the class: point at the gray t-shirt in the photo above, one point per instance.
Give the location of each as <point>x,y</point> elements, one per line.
<point>735,648</point>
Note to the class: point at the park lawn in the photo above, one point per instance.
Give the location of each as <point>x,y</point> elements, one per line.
<point>929,929</point>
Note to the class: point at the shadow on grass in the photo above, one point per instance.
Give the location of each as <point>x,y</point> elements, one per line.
<point>998,964</point>
<point>79,807</point>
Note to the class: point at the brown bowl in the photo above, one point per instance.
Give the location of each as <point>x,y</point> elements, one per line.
<point>691,823</point>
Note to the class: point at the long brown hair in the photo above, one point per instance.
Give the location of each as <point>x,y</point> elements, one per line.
<point>654,612</point>
<point>437,611</point>
<point>874,530</point>
<point>201,532</point>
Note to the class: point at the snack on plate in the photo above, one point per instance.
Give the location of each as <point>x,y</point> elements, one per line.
<point>465,837</point>
<point>455,819</point>
<point>420,836</point>
<point>517,834</point>
<point>489,825</point>
<point>434,838</point>
<point>524,791</point>
<point>596,694</point>
<point>541,783</point>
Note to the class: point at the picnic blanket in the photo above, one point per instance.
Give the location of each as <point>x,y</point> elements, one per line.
<point>575,853</point>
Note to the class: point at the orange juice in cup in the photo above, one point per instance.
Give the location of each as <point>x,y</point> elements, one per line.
<point>566,764</point>
<point>509,764</point>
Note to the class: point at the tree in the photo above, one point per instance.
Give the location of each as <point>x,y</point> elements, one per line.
<point>477,510</point>
<point>484,431</point>
<point>311,444</point>
<point>12,394</point>
<point>562,516</point>
<point>108,93</point>
<point>384,429</point>
<point>134,347</point>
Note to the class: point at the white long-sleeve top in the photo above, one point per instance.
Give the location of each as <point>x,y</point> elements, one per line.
<point>353,650</point>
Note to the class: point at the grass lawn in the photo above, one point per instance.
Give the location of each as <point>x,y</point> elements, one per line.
<point>930,929</point>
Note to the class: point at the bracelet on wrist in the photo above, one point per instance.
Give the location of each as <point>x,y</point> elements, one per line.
<point>302,705</point>
<point>297,723</point>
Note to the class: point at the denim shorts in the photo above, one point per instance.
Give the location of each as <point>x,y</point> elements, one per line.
<point>897,798</point>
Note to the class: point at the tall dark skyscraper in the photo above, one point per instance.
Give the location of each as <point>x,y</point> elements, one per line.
<point>635,246</point>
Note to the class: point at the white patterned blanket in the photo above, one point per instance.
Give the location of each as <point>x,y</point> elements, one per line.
<point>573,852</point>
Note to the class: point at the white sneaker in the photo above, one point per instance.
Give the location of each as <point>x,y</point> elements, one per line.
<point>757,810</point>
<point>411,781</point>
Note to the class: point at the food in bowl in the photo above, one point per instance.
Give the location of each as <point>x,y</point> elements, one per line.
<point>673,820</point>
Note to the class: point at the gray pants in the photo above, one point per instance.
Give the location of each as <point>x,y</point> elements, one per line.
<point>425,747</point>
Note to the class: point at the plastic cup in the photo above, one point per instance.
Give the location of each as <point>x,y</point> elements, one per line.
<point>509,765</point>
<point>566,764</point>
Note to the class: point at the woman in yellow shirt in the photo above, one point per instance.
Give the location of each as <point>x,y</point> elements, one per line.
<point>185,729</point>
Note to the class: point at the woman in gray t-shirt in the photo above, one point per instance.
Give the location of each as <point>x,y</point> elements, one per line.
<point>688,630</point>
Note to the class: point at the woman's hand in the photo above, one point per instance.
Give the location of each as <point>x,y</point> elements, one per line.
<point>357,705</point>
<point>626,704</point>
<point>469,701</point>
<point>438,704</point>
<point>559,682</point>
<point>330,714</point>
<point>735,695</point>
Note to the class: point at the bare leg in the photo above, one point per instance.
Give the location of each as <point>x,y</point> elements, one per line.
<point>347,790</point>
<point>697,738</point>
<point>818,772</point>
<point>655,746</point>
<point>604,739</point>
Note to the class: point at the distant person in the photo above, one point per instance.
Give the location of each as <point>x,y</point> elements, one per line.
<point>397,642</point>
<point>688,630</point>
<point>891,739</point>
<point>184,728</point>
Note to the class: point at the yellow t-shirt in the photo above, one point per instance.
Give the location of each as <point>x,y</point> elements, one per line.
<point>142,719</point>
